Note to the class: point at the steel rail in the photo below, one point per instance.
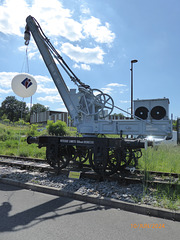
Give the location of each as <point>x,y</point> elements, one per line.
<point>139,176</point>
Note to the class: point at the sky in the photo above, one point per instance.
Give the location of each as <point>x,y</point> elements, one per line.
<point>98,40</point>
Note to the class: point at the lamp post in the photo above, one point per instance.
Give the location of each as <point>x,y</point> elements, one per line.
<point>132,62</point>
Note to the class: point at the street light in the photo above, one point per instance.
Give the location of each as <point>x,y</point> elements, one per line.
<point>132,61</point>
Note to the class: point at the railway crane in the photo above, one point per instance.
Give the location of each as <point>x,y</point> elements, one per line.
<point>90,111</point>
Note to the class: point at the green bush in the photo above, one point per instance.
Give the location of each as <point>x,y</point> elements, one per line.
<point>59,128</point>
<point>6,121</point>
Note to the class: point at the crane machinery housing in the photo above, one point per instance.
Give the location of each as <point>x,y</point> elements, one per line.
<point>89,110</point>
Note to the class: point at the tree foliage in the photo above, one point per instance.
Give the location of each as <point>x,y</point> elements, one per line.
<point>13,110</point>
<point>36,108</point>
<point>118,115</point>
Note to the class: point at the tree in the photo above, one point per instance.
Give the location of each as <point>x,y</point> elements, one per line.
<point>36,108</point>
<point>13,109</point>
<point>119,115</point>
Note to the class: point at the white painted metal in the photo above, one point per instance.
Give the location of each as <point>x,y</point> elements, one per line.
<point>89,109</point>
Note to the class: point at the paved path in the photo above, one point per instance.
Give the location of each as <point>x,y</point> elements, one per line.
<point>25,214</point>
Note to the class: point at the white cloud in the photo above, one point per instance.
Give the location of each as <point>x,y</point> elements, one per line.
<point>42,79</point>
<point>32,55</point>
<point>43,85</point>
<point>76,66</point>
<point>84,55</point>
<point>124,101</point>
<point>46,90</point>
<point>12,16</point>
<point>82,66</point>
<point>85,67</point>
<point>92,27</point>
<point>6,78</point>
<point>85,10</point>
<point>116,85</point>
<point>58,21</point>
<point>55,20</point>
<point>4,91</point>
<point>107,90</point>
<point>51,99</point>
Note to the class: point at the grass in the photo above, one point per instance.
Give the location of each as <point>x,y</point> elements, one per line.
<point>165,158</point>
<point>166,196</point>
<point>13,142</point>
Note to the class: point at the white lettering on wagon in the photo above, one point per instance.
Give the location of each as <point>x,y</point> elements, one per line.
<point>76,141</point>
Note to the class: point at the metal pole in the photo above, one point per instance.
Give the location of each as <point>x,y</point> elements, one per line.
<point>131,89</point>
<point>132,110</point>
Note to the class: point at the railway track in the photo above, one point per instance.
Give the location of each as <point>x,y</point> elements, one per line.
<point>149,177</point>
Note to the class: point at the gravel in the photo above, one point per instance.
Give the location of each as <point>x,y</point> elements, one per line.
<point>132,193</point>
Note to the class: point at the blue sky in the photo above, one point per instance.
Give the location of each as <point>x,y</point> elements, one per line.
<point>98,40</point>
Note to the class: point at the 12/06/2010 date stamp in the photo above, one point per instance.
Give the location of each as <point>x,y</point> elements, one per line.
<point>145,225</point>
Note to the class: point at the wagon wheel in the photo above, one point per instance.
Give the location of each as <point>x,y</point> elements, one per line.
<point>130,158</point>
<point>105,166</point>
<point>82,155</point>
<point>134,155</point>
<point>113,162</point>
<point>98,165</point>
<point>57,158</point>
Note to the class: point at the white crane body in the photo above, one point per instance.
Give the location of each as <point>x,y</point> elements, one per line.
<point>86,109</point>
<point>90,111</point>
